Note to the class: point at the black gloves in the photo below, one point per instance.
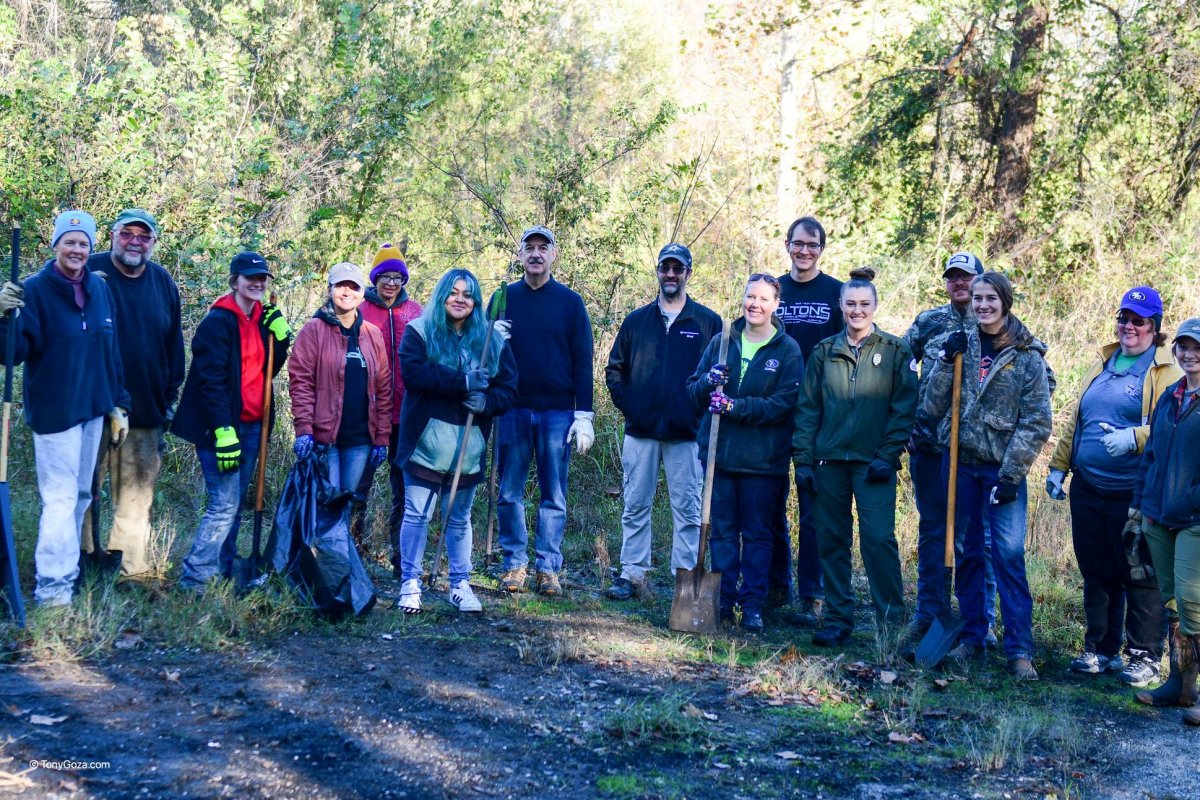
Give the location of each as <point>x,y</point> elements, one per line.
<point>806,479</point>
<point>879,471</point>
<point>954,344</point>
<point>1003,492</point>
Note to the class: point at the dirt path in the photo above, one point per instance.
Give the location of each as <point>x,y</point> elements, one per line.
<point>577,705</point>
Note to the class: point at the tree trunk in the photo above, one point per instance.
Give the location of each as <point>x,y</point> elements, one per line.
<point>787,175</point>
<point>1014,141</point>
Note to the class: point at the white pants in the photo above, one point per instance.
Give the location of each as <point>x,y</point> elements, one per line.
<point>65,462</point>
<point>681,461</point>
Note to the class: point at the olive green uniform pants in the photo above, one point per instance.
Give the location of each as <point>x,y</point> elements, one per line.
<point>1176,557</point>
<point>840,483</point>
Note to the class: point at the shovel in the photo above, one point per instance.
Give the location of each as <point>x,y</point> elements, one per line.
<point>245,570</point>
<point>695,608</point>
<point>99,562</point>
<point>10,582</point>
<point>944,631</point>
<point>497,313</point>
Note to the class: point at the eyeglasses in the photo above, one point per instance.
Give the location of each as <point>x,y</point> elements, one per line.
<point>139,238</point>
<point>1135,321</point>
<point>673,268</point>
<point>799,246</point>
<point>399,279</point>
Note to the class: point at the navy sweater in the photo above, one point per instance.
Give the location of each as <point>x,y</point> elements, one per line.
<point>1168,486</point>
<point>73,371</point>
<point>149,336</point>
<point>552,345</point>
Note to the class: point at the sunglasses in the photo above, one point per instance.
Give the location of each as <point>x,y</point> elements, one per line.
<point>1131,319</point>
<point>138,238</point>
<point>672,268</point>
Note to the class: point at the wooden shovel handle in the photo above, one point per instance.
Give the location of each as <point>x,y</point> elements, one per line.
<point>952,486</point>
<point>710,466</point>
<point>265,434</point>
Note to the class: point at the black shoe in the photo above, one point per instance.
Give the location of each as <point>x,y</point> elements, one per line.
<point>778,597</point>
<point>810,612</point>
<point>831,636</point>
<point>622,589</point>
<point>752,621</point>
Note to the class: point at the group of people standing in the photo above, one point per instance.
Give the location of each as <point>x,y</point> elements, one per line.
<point>809,381</point>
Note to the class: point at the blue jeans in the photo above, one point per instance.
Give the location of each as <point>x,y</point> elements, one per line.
<point>215,545</point>
<point>929,490</point>
<point>419,497</point>
<point>744,520</point>
<point>345,464</point>
<point>522,435</point>
<point>975,482</point>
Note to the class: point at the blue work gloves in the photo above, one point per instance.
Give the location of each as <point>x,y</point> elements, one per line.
<point>1054,485</point>
<point>477,380</point>
<point>378,456</point>
<point>303,446</point>
<point>475,402</point>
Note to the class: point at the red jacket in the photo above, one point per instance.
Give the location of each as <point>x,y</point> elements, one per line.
<point>392,321</point>
<point>317,374</point>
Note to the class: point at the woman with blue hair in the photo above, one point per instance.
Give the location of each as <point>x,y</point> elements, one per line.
<point>446,379</point>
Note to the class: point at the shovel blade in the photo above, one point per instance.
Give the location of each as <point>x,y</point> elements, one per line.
<point>11,603</point>
<point>695,608</point>
<point>938,640</point>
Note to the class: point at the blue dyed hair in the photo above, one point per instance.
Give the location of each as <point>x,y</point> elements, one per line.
<point>442,342</point>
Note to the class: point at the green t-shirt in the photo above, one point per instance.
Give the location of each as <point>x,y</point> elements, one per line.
<point>749,348</point>
<point>1122,362</point>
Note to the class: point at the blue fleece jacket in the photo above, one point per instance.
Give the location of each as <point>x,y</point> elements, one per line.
<point>73,371</point>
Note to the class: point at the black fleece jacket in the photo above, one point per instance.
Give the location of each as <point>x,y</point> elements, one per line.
<point>755,437</point>
<point>649,366</point>
<point>212,393</point>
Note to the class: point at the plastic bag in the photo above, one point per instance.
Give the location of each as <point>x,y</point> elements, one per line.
<point>310,543</point>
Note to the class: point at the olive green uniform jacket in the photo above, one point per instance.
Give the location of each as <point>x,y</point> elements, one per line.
<point>856,406</point>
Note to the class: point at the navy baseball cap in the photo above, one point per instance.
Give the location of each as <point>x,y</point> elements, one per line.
<point>965,262</point>
<point>1143,301</point>
<point>249,264</point>
<point>677,252</point>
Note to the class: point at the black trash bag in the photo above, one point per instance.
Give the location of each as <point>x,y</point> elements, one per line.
<point>310,543</point>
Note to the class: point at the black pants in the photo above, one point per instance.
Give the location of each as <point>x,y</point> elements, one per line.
<point>1110,596</point>
<point>396,514</point>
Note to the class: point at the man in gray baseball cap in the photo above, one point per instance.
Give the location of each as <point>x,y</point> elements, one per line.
<point>150,338</point>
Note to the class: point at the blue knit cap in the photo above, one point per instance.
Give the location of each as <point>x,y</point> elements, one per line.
<point>75,221</point>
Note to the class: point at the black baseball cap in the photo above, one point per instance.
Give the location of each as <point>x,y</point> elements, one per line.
<point>249,264</point>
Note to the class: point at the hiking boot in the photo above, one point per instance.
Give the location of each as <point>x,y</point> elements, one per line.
<point>830,636</point>
<point>989,640</point>
<point>1170,693</point>
<point>1022,669</point>
<point>410,596</point>
<point>752,621</point>
<point>464,599</point>
<point>810,611</point>
<point>1192,715</point>
<point>778,597</point>
<point>912,635</point>
<point>548,585</point>
<point>514,580</point>
<point>1142,670</point>
<point>622,589</point>
<point>965,651</point>
<point>1089,663</point>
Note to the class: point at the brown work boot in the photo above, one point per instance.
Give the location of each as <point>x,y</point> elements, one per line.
<point>1022,669</point>
<point>548,585</point>
<point>1171,691</point>
<point>514,580</point>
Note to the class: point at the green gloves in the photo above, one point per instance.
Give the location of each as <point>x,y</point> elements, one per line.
<point>273,320</point>
<point>229,449</point>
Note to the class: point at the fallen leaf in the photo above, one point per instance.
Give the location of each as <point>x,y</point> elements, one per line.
<point>171,675</point>
<point>719,765</point>
<point>941,683</point>
<point>15,711</point>
<point>215,745</point>
<point>690,710</point>
<point>129,640</point>
<point>790,655</point>
<point>895,737</point>
<point>711,717</point>
<point>386,637</point>
<point>613,491</point>
<point>68,786</point>
<point>42,719</point>
<point>788,755</point>
<point>887,677</point>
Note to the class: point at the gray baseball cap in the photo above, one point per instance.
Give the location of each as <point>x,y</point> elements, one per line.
<point>539,230</point>
<point>1190,329</point>
<point>345,271</point>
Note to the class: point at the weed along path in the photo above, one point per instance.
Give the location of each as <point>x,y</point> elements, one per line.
<point>574,699</point>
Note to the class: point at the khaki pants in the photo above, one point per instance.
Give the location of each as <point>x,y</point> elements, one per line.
<point>134,470</point>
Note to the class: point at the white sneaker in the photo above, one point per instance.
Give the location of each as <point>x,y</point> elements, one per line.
<point>464,598</point>
<point>410,596</point>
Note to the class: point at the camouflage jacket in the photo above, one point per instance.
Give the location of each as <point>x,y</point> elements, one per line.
<point>1005,419</point>
<point>924,338</point>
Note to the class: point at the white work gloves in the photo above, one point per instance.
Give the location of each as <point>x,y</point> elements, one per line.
<point>581,431</point>
<point>1118,441</point>
<point>11,296</point>
<point>1054,485</point>
<point>504,328</point>
<point>118,427</point>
